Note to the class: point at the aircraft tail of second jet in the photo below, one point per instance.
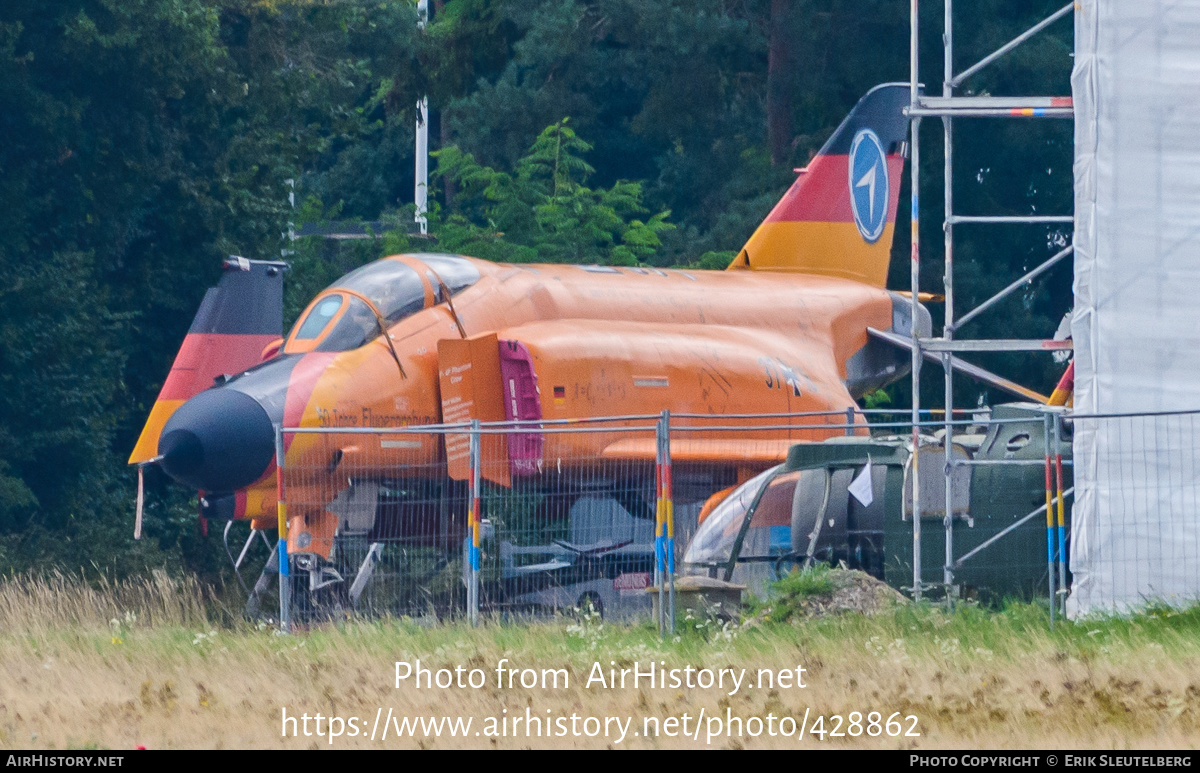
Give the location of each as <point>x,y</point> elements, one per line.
<point>837,219</point>
<point>236,323</point>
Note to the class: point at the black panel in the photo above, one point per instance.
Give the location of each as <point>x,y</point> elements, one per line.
<point>882,111</point>
<point>247,300</point>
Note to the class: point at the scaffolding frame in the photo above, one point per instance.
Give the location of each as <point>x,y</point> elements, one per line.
<point>947,107</point>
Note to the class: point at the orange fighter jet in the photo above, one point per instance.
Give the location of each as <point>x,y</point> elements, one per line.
<point>784,329</point>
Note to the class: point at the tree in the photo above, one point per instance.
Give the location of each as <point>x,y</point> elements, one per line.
<point>544,211</point>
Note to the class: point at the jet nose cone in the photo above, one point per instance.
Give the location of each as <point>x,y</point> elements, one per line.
<point>220,440</point>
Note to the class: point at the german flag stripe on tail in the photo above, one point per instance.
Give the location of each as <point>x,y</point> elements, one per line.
<point>838,218</point>
<point>233,330</point>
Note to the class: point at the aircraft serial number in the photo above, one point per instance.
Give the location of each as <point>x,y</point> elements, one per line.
<point>780,375</point>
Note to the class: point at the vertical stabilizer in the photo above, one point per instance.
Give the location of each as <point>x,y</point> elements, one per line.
<point>837,219</point>
<point>236,321</point>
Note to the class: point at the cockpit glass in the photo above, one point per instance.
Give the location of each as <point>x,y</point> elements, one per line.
<point>713,543</point>
<point>457,273</point>
<point>357,326</point>
<point>394,288</point>
<point>319,317</point>
<point>770,532</point>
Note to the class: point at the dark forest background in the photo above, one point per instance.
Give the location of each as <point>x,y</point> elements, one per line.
<point>142,141</point>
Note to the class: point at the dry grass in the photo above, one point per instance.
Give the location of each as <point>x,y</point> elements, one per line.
<point>33,604</point>
<point>137,664</point>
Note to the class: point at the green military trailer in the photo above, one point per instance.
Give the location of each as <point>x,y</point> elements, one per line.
<point>849,500</point>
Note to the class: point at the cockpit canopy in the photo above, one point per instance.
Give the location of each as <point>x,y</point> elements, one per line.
<point>717,536</point>
<point>375,296</point>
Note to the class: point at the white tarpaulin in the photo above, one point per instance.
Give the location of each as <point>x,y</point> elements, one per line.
<point>1136,86</point>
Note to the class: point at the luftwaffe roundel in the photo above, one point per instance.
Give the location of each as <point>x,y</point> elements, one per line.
<point>868,184</point>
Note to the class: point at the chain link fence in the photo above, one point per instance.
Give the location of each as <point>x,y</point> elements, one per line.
<point>1137,539</point>
<point>618,516</point>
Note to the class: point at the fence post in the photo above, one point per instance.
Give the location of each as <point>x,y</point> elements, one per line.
<point>916,502</point>
<point>473,526</point>
<point>948,519</point>
<point>1062,531</point>
<point>669,505</point>
<point>1049,518</point>
<point>659,518</point>
<point>285,576</point>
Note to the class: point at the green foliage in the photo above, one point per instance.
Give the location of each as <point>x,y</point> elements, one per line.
<point>544,210</point>
<point>877,399</point>
<point>788,594</point>
<point>517,519</point>
<point>714,261</point>
<point>669,92</point>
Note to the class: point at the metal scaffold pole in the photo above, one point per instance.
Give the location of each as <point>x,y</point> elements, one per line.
<point>915,285</point>
<point>948,291</point>
<point>1046,432</point>
<point>421,181</point>
<point>1062,529</point>
<point>660,568</point>
<point>948,107</point>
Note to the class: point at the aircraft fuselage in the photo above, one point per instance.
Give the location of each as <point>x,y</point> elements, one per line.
<point>601,342</point>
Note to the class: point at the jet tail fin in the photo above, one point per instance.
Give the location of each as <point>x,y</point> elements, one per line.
<point>837,219</point>
<point>235,323</point>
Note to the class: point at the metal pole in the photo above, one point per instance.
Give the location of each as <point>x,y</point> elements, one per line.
<point>291,224</point>
<point>421,183</point>
<point>992,540</point>
<point>473,525</point>
<point>914,80</point>
<point>659,517</point>
<point>936,109</point>
<point>948,285</point>
<point>915,283</point>
<point>285,578</point>
<point>1026,219</point>
<point>1049,518</point>
<point>421,186</point>
<point>1062,531</point>
<point>1028,277</point>
<point>141,502</point>
<point>669,500</point>
<point>948,516</point>
<point>1010,45</point>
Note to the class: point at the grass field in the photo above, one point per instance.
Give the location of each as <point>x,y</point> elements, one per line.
<point>149,664</point>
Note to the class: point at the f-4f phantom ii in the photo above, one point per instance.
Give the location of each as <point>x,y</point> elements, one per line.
<point>783,330</point>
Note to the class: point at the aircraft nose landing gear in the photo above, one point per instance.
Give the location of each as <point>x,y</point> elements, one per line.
<point>319,590</point>
<point>320,574</point>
